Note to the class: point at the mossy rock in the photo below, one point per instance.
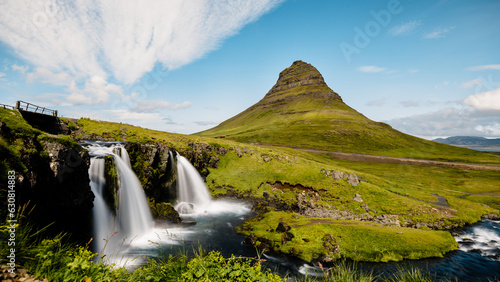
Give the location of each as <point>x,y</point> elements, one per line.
<point>164,211</point>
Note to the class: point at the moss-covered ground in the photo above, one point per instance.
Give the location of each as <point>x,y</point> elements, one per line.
<point>356,240</point>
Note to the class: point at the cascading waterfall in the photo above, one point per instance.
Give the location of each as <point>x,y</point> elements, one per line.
<point>193,196</point>
<point>133,216</point>
<point>103,221</point>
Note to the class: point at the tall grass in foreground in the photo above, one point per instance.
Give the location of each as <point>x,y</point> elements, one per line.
<point>59,260</point>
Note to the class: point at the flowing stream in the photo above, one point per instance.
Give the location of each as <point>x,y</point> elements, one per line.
<point>128,235</point>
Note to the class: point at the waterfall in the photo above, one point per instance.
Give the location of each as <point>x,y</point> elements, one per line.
<point>193,196</point>
<point>133,216</point>
<point>103,222</point>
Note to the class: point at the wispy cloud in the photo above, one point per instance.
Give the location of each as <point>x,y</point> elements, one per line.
<point>169,120</point>
<point>2,76</point>
<point>205,123</point>
<point>410,103</point>
<point>46,76</point>
<point>404,28</point>
<point>371,69</point>
<point>153,105</point>
<point>96,91</point>
<point>484,67</point>
<point>376,103</point>
<point>449,122</point>
<point>471,83</point>
<point>438,33</point>
<point>20,69</point>
<point>119,41</point>
<point>140,118</point>
<point>478,114</point>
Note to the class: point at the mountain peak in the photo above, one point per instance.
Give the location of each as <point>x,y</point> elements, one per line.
<point>301,78</point>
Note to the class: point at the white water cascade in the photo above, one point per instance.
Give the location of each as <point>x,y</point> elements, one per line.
<point>193,196</point>
<point>103,220</point>
<point>133,216</point>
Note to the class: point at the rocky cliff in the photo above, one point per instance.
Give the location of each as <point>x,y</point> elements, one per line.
<point>51,175</point>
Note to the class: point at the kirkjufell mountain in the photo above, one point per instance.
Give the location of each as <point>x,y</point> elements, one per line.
<point>301,111</point>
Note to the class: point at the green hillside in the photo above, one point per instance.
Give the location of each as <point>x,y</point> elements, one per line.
<point>302,111</point>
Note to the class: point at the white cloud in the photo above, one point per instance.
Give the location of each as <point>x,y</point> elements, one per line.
<point>449,122</point>
<point>471,83</point>
<point>121,38</point>
<point>376,103</point>
<point>205,123</point>
<point>46,76</point>
<point>96,91</point>
<point>371,69</point>
<point>404,28</point>
<point>140,118</point>
<point>413,70</point>
<point>485,101</point>
<point>438,33</point>
<point>410,103</point>
<point>478,114</point>
<point>484,67</point>
<point>148,106</point>
<point>53,99</point>
<point>20,69</point>
<point>2,76</point>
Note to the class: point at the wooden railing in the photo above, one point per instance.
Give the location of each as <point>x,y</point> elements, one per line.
<point>25,106</point>
<point>6,106</point>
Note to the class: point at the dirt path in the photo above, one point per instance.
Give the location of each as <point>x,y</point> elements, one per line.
<point>394,160</point>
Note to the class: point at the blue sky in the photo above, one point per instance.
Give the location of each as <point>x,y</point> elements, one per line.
<point>428,68</point>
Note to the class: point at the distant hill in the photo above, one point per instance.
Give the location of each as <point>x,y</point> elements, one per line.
<point>469,140</point>
<point>301,111</point>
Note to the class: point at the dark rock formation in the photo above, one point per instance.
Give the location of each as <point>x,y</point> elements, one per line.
<point>164,211</point>
<point>56,184</point>
<point>152,165</point>
<point>283,227</point>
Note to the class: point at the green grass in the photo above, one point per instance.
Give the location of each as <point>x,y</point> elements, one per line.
<point>356,240</point>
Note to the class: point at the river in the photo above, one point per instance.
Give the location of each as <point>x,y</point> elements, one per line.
<point>478,257</point>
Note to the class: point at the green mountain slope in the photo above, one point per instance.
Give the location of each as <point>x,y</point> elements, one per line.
<point>302,111</point>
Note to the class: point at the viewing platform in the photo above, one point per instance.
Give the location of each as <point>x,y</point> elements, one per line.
<point>28,107</point>
<point>40,117</point>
